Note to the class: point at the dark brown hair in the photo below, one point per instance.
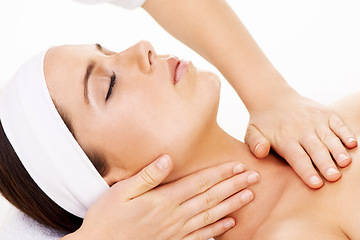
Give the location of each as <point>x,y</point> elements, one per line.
<point>19,188</point>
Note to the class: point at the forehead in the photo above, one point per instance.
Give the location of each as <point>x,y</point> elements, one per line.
<point>66,64</point>
<point>64,70</point>
<point>66,56</point>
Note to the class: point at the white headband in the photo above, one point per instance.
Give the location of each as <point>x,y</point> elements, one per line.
<point>45,146</point>
<point>129,4</point>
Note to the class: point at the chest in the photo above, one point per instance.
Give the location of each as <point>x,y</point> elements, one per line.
<point>299,229</point>
<point>306,214</point>
<point>331,213</point>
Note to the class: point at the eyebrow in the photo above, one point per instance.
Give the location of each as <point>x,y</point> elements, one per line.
<point>89,69</point>
<point>99,47</point>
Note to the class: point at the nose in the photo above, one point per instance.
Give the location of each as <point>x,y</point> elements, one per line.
<point>144,55</point>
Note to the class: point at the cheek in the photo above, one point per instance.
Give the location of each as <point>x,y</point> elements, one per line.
<point>139,128</point>
<point>149,121</point>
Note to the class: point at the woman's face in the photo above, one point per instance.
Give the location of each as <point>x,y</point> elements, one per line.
<point>131,106</point>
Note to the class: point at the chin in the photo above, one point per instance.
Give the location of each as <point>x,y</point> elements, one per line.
<point>212,87</point>
<point>210,78</point>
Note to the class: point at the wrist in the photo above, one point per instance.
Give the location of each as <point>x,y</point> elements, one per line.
<point>271,95</point>
<point>271,89</point>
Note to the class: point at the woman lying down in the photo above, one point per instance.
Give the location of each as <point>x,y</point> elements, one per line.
<point>124,107</point>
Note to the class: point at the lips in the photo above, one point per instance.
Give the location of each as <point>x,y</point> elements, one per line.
<point>181,70</point>
<point>177,68</point>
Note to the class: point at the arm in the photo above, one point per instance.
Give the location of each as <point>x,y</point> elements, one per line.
<point>212,29</point>
<point>194,207</point>
<point>299,129</point>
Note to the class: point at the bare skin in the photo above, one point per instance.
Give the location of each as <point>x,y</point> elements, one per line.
<point>284,207</point>
<point>213,29</point>
<point>180,207</point>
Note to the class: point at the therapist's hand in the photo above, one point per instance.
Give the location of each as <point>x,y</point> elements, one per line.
<point>193,207</point>
<point>304,133</point>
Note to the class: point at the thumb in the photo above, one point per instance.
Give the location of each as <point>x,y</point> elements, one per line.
<point>147,179</point>
<point>258,144</point>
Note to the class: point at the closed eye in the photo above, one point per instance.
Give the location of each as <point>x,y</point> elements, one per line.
<point>112,83</point>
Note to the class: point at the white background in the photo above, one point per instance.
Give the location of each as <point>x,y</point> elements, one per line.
<point>315,44</point>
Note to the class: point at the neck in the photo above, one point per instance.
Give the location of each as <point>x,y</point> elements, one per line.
<point>214,148</point>
<point>218,147</point>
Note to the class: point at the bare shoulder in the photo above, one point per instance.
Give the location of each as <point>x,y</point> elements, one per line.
<point>347,189</point>
<point>348,109</point>
<point>345,197</point>
<point>331,212</point>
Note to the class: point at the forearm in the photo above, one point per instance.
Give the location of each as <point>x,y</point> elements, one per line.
<point>212,29</point>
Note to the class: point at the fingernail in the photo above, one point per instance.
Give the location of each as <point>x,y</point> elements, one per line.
<point>257,147</point>
<point>351,139</point>
<point>239,168</point>
<point>315,180</point>
<point>163,162</point>
<point>247,196</point>
<point>229,224</point>
<point>342,157</point>
<point>253,178</point>
<point>332,171</point>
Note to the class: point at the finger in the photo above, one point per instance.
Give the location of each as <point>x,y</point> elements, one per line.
<point>212,230</point>
<point>301,163</point>
<point>343,132</point>
<point>218,193</point>
<point>226,207</point>
<point>196,183</point>
<point>148,178</point>
<point>258,144</point>
<point>320,156</point>
<point>336,148</point>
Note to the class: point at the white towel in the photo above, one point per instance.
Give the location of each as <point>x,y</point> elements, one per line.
<point>15,225</point>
